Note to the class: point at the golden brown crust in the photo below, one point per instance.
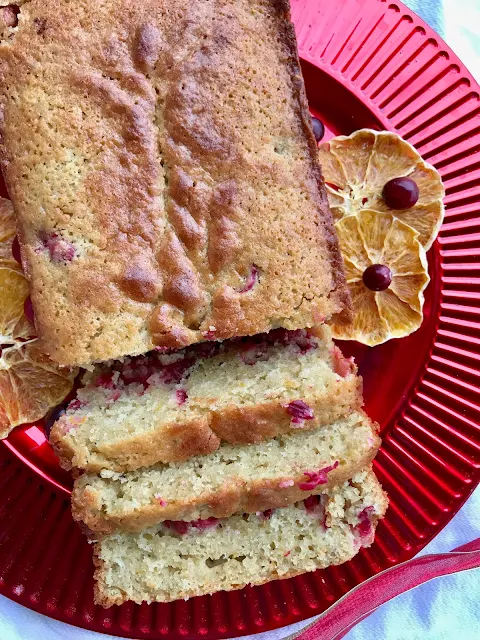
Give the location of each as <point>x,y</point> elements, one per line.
<point>152,172</point>
<point>240,425</point>
<point>99,596</point>
<point>235,497</point>
<point>235,425</point>
<point>62,449</point>
<point>174,443</point>
<point>345,315</point>
<point>171,443</point>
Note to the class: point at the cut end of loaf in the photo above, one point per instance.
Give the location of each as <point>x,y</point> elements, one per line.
<point>232,479</point>
<point>169,406</point>
<point>169,562</point>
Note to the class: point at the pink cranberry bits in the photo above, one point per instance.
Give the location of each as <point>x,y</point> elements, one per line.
<point>168,406</point>
<point>243,547</point>
<point>60,250</point>
<point>300,411</point>
<point>257,478</point>
<point>315,478</point>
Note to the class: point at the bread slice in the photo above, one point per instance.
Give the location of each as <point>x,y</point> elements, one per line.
<point>169,407</point>
<point>168,562</point>
<point>160,159</point>
<point>231,480</point>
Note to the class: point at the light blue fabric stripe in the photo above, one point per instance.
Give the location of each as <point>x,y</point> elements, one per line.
<point>431,11</point>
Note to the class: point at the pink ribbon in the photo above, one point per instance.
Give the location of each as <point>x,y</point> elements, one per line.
<point>361,601</point>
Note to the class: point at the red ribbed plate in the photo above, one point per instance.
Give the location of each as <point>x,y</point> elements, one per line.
<point>367,63</point>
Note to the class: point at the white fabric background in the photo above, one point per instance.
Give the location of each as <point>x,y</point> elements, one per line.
<point>445,609</point>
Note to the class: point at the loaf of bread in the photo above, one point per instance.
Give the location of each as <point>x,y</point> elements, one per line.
<point>167,407</point>
<point>161,162</point>
<point>179,560</point>
<point>234,479</point>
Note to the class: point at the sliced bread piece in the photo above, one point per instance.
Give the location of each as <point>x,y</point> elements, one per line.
<point>231,480</point>
<point>169,562</point>
<point>166,407</point>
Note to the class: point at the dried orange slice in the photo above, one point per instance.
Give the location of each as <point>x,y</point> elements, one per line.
<point>13,292</point>
<point>392,303</point>
<point>357,167</point>
<point>7,234</point>
<point>30,383</point>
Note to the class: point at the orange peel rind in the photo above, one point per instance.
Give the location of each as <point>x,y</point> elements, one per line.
<point>357,167</point>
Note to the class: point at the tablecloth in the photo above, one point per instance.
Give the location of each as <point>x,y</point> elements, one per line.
<point>444,609</point>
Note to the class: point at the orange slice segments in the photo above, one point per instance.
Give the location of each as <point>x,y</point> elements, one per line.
<point>357,167</point>
<point>372,238</point>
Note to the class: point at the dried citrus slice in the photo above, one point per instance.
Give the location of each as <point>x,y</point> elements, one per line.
<point>13,291</point>
<point>386,269</point>
<point>357,168</point>
<point>30,383</point>
<point>7,234</point>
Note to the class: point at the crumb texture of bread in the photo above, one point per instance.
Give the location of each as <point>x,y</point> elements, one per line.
<point>234,479</point>
<point>164,563</point>
<point>167,407</point>
<point>160,159</point>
